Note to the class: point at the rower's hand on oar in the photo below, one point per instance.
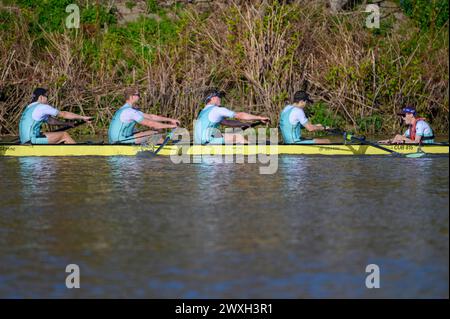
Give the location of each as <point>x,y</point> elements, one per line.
<point>175,122</point>
<point>87,119</point>
<point>384,142</point>
<point>398,139</point>
<point>322,128</point>
<point>265,120</point>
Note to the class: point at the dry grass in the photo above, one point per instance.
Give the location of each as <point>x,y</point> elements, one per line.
<point>258,51</point>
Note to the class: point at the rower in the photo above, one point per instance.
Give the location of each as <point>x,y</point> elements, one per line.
<point>293,118</point>
<point>206,127</point>
<point>418,132</point>
<point>121,129</point>
<point>38,112</point>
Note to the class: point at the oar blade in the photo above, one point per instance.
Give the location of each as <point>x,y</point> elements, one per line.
<point>416,155</point>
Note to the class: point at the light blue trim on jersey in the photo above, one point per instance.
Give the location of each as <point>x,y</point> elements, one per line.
<point>292,134</point>
<point>217,140</point>
<point>29,129</point>
<point>39,140</point>
<point>204,129</point>
<point>120,132</point>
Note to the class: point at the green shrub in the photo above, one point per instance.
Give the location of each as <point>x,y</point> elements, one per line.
<point>370,124</point>
<point>50,15</point>
<point>320,113</point>
<point>153,6</point>
<point>237,49</point>
<point>428,14</point>
<point>6,20</point>
<point>97,15</point>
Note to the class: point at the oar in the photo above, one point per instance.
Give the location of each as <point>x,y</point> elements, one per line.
<point>352,138</point>
<point>334,131</point>
<point>167,139</point>
<point>242,125</point>
<point>65,128</point>
<point>255,124</point>
<point>418,154</point>
<point>134,137</point>
<point>231,123</point>
<point>169,136</point>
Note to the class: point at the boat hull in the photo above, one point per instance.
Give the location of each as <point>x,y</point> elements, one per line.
<point>133,150</point>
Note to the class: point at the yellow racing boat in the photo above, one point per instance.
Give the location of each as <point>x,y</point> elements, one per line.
<point>16,150</point>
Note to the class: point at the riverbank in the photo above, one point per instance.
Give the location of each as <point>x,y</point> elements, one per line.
<point>259,53</point>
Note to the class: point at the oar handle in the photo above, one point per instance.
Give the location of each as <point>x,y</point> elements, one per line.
<point>334,131</point>
<point>67,127</point>
<point>249,125</point>
<point>240,124</point>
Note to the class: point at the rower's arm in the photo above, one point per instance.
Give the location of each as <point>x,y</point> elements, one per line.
<point>400,139</point>
<point>53,121</point>
<point>249,117</point>
<point>156,125</point>
<point>418,139</point>
<point>157,118</point>
<point>409,141</point>
<point>72,116</point>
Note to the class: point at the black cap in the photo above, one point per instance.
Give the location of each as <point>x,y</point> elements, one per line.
<point>212,93</point>
<point>37,93</point>
<point>302,96</point>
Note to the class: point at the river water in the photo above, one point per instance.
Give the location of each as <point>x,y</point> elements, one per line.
<point>148,228</point>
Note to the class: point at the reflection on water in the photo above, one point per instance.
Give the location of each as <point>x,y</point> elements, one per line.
<point>147,228</point>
